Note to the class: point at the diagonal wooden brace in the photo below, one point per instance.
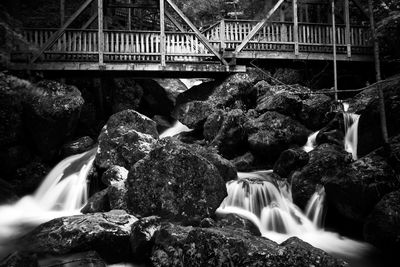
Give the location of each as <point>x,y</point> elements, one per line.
<point>198,34</point>
<point>60,31</point>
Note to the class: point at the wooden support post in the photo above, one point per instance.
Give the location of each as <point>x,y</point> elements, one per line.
<point>334,49</point>
<point>385,135</point>
<point>62,12</point>
<point>100,31</point>
<point>174,21</point>
<point>60,31</point>
<point>129,16</point>
<point>222,34</point>
<point>258,27</point>
<point>197,32</point>
<point>295,28</point>
<point>347,21</point>
<point>162,33</point>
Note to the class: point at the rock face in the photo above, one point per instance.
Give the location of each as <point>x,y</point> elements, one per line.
<point>333,132</point>
<point>290,160</point>
<point>225,130</point>
<point>99,202</point>
<point>366,104</point>
<point>284,103</point>
<point>142,237</point>
<point>126,138</point>
<point>195,113</point>
<point>52,114</point>
<point>382,225</point>
<point>231,247</point>
<point>325,161</point>
<point>114,174</point>
<point>314,110</point>
<point>173,181</point>
<point>272,133</point>
<point>359,187</point>
<point>106,233</point>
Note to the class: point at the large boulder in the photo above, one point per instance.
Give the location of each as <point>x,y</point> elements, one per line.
<point>126,138</point>
<point>225,130</point>
<point>290,160</point>
<point>272,133</point>
<point>114,174</point>
<point>234,91</point>
<point>314,111</point>
<point>52,114</point>
<point>142,237</point>
<point>18,259</point>
<point>194,114</point>
<point>173,87</point>
<point>225,168</point>
<point>175,182</point>
<point>177,245</point>
<point>283,102</point>
<point>106,233</point>
<point>325,161</point>
<point>367,105</point>
<point>99,202</point>
<point>382,225</point>
<point>357,188</point>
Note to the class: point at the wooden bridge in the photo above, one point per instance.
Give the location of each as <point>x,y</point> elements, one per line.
<point>189,50</point>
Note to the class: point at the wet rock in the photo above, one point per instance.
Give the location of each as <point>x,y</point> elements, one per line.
<point>285,103</point>
<point>18,259</point>
<point>289,76</point>
<point>52,114</point>
<point>359,187</point>
<point>99,202</point>
<point>126,138</point>
<point>314,111</point>
<point>225,168</point>
<point>367,105</point>
<point>155,99</point>
<point>127,94</point>
<point>272,133</point>
<point>325,161</point>
<point>237,222</point>
<point>114,174</point>
<point>142,237</point>
<point>176,245</point>
<point>195,113</point>
<point>199,92</point>
<point>118,195</point>
<point>245,162</point>
<point>175,182</point>
<point>382,226</point>
<point>333,132</point>
<point>207,222</point>
<point>106,233</point>
<point>78,146</point>
<point>173,87</point>
<point>225,130</point>
<point>234,91</point>
<point>290,160</point>
<point>89,258</point>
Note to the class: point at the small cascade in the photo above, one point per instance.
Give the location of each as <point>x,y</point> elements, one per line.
<point>315,207</point>
<point>311,142</point>
<point>351,133</point>
<point>177,128</point>
<point>62,193</point>
<point>258,197</point>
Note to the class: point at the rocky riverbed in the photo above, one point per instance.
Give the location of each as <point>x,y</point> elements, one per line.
<point>153,200</point>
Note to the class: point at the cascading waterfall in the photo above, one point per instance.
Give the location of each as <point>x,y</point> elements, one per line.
<point>268,204</point>
<point>351,133</point>
<point>62,193</point>
<point>311,142</point>
<point>177,128</point>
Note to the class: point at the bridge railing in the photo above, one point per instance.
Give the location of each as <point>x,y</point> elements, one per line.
<point>279,36</point>
<point>82,45</point>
